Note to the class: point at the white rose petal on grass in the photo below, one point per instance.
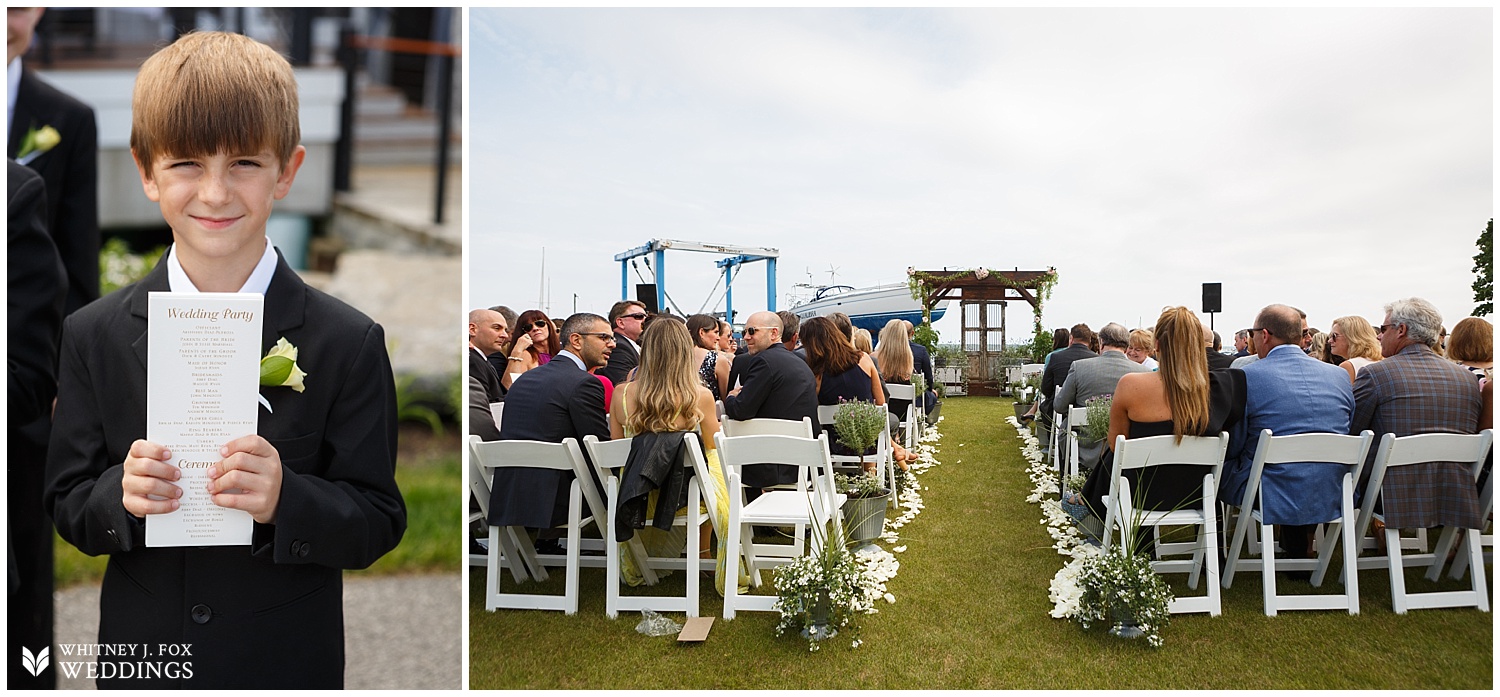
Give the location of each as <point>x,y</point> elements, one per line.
<point>890,598</point>
<point>902,548</point>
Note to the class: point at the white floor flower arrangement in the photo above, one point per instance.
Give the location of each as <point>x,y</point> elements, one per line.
<point>1074,590</point>
<point>876,566</point>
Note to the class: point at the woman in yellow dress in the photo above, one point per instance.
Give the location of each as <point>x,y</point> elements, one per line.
<point>667,396</point>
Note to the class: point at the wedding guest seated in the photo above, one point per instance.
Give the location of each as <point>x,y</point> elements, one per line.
<point>1142,348</point>
<point>1182,398</point>
<point>1354,339</point>
<point>1061,339</point>
<point>1251,344</point>
<point>1216,360</point>
<point>215,139</point>
<point>894,361</point>
<point>1472,346</point>
<point>1097,377</point>
<point>864,344</point>
<point>1289,393</point>
<point>1056,371</point>
<point>777,385</point>
<point>534,345</point>
<point>713,367</point>
<point>627,319</point>
<point>921,362</point>
<point>791,333</point>
<point>556,401</point>
<point>666,397</point>
<point>1242,344</point>
<point>1413,390</point>
<point>843,374</point>
<point>500,360</point>
<point>488,334</point>
<point>1319,346</point>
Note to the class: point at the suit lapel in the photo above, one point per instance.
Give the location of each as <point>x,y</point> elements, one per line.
<point>140,304</point>
<point>26,113</point>
<point>286,304</point>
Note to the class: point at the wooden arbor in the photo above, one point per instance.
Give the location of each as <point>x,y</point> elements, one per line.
<point>983,295</point>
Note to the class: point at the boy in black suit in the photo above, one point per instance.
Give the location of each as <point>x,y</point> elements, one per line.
<point>215,137</point>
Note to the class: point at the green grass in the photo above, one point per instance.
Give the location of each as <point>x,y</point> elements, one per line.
<point>429,483</point>
<point>971,612</point>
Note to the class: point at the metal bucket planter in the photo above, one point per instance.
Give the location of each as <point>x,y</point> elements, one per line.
<point>1021,409</point>
<point>864,519</point>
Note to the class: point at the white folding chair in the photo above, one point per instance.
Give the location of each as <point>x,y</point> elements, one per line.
<point>607,457</point>
<point>719,410</point>
<point>773,427</point>
<point>1078,419</point>
<point>884,458</point>
<point>1411,450</point>
<point>896,390</point>
<point>816,506</point>
<point>479,485</point>
<point>1120,509</point>
<point>1346,450</point>
<point>1486,540</point>
<point>1057,437</point>
<point>537,455</point>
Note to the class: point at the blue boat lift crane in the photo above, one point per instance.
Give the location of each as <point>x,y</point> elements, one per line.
<point>657,249</point>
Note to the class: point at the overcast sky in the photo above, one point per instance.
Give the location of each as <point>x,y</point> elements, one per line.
<point>1330,159</point>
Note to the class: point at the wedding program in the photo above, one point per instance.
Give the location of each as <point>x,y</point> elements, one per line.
<point>203,371</point>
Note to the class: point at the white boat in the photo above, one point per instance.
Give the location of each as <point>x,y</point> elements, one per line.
<point>869,308</point>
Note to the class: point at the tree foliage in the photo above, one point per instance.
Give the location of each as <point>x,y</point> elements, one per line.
<point>1484,272</point>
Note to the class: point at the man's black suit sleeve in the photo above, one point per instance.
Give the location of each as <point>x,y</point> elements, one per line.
<point>83,494</point>
<point>586,409</point>
<point>36,288</point>
<point>350,513</point>
<point>756,385</point>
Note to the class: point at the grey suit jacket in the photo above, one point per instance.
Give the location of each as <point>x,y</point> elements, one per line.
<point>1089,378</point>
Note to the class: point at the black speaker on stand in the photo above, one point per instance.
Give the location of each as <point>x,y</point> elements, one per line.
<point>1213,301</point>
<point>645,294</point>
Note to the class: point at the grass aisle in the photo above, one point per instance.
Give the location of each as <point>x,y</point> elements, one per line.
<point>971,612</point>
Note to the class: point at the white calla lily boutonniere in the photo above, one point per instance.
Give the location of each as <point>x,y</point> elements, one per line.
<point>279,369</point>
<point>36,142</point>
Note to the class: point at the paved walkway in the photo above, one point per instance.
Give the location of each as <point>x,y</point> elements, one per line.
<point>400,632</point>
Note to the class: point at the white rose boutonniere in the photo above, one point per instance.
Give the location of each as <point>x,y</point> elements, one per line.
<point>279,368</point>
<point>36,142</point>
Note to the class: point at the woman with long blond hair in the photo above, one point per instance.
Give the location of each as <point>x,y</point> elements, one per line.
<point>1354,339</point>
<point>1181,398</point>
<point>893,358</point>
<point>666,396</point>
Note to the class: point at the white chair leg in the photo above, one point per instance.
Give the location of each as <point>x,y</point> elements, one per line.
<point>1476,560</point>
<point>1268,567</point>
<point>694,522</point>
<point>733,549</point>
<point>1210,550</point>
<point>512,551</point>
<point>570,584</point>
<point>1398,575</point>
<point>1351,556</point>
<point>492,571</point>
<point>1440,553</point>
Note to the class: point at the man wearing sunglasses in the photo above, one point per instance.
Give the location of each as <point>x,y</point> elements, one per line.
<point>1413,390</point>
<point>626,318</point>
<point>775,384</point>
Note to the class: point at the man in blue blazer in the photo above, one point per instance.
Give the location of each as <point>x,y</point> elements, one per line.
<point>1288,392</point>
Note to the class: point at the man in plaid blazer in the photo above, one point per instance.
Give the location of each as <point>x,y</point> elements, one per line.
<point>1414,390</point>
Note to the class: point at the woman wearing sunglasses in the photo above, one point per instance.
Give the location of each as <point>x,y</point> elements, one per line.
<point>534,345</point>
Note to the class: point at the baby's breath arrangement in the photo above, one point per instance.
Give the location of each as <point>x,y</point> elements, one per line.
<point>824,593</point>
<point>1098,425</point>
<point>858,486</point>
<point>1119,587</point>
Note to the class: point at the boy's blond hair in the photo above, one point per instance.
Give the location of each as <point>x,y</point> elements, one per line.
<point>212,92</point>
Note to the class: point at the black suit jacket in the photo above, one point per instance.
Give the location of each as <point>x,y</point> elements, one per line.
<point>549,403</point>
<point>922,362</point>
<point>265,616</point>
<point>1218,361</point>
<point>621,361</point>
<point>71,172</point>
<point>1057,372</point>
<point>776,385</point>
<point>36,288</point>
<point>479,367</point>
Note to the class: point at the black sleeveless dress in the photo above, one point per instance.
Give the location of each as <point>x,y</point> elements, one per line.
<point>1172,486</point>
